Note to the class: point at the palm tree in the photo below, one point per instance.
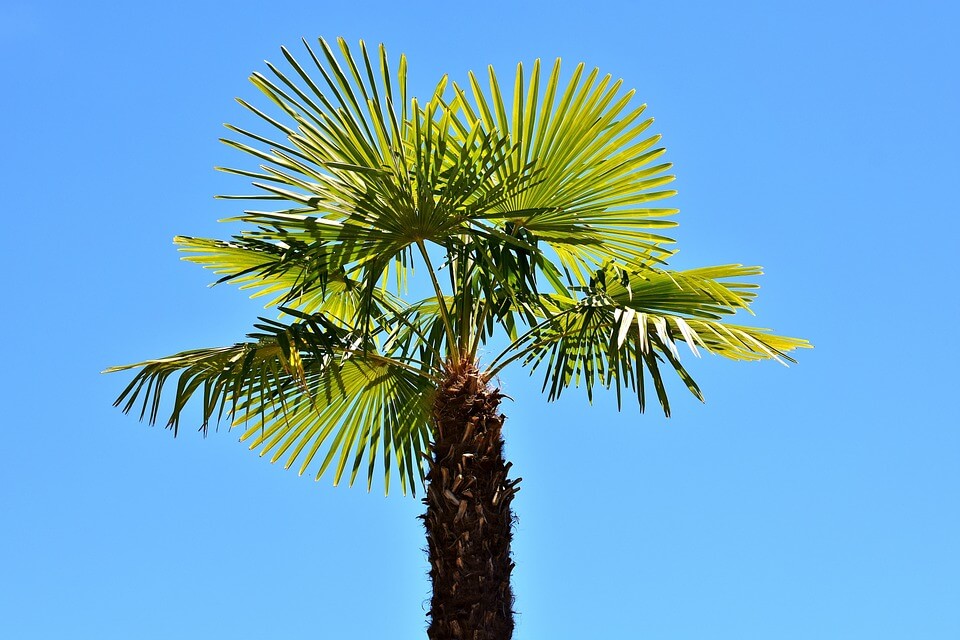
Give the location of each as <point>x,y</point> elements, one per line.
<point>531,216</point>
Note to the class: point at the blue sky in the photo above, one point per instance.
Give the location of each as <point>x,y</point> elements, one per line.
<point>819,140</point>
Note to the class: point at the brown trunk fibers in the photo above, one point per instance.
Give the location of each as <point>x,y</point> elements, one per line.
<point>468,518</point>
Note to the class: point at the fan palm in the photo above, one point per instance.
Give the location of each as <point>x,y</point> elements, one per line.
<point>534,218</point>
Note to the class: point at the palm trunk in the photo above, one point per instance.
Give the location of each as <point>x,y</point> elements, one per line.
<point>468,518</point>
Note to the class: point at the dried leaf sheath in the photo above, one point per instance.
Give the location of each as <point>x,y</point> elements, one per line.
<point>468,518</point>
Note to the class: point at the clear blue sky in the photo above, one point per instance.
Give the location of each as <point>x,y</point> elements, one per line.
<point>819,140</point>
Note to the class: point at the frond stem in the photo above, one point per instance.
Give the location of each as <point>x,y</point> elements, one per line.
<point>441,303</point>
<point>403,365</point>
<point>481,318</point>
<point>466,312</point>
<point>413,327</point>
<point>494,368</point>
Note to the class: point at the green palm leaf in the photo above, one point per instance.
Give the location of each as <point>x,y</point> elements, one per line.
<point>348,413</point>
<point>628,323</point>
<point>598,168</point>
<point>312,382</point>
<point>366,176</point>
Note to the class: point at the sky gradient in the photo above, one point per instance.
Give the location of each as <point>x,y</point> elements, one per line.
<point>820,501</point>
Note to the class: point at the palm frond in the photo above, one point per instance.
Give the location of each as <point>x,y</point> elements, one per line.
<point>597,167</point>
<point>362,175</point>
<point>349,413</point>
<point>310,375</point>
<point>628,324</point>
<point>286,276</point>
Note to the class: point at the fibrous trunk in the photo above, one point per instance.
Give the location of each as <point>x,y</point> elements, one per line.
<point>468,518</point>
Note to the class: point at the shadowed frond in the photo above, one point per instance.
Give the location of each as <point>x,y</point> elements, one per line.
<point>285,275</point>
<point>628,324</point>
<point>313,372</point>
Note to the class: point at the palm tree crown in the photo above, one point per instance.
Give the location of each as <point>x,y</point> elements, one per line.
<point>535,216</point>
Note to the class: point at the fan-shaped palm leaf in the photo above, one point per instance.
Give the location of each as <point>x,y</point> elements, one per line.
<point>313,382</point>
<point>629,322</point>
<point>596,165</point>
